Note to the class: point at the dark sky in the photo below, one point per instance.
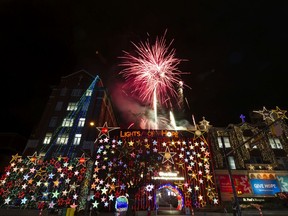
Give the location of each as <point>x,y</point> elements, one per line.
<point>236,51</point>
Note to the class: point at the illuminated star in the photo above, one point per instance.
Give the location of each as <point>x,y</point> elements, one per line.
<point>7,200</point>
<point>266,114</point>
<point>51,204</point>
<point>104,131</point>
<point>15,158</point>
<point>33,159</point>
<point>167,155</point>
<point>82,160</point>
<point>280,113</point>
<point>95,204</point>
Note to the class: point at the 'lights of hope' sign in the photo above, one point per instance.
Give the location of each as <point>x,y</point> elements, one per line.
<point>264,186</point>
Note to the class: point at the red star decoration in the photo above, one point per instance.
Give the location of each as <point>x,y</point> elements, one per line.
<point>104,131</point>
<point>82,160</point>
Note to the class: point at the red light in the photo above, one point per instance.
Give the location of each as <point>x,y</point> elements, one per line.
<point>104,130</point>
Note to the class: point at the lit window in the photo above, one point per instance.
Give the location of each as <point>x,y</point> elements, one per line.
<point>275,143</point>
<point>231,162</point>
<point>248,145</point>
<point>81,122</point>
<point>62,139</point>
<point>53,122</point>
<point>89,93</point>
<point>72,106</point>
<point>47,138</point>
<point>226,142</point>
<point>58,106</point>
<point>67,122</point>
<point>77,139</point>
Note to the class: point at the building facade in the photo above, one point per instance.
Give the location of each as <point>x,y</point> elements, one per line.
<point>69,164</point>
<point>255,154</point>
<point>75,107</point>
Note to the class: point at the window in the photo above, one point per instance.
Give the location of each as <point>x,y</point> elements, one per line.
<point>63,92</point>
<point>62,139</point>
<point>89,93</point>
<point>231,162</point>
<point>77,139</point>
<point>248,145</point>
<point>47,138</point>
<point>67,122</point>
<point>275,143</point>
<point>53,122</point>
<point>81,122</point>
<point>76,92</point>
<point>226,142</point>
<point>58,106</point>
<point>72,106</point>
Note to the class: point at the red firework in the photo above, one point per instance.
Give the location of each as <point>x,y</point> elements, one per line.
<point>152,71</point>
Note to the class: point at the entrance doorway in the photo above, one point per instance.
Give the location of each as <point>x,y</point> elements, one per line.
<point>168,197</point>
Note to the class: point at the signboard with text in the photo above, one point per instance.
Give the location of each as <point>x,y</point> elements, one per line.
<point>264,186</point>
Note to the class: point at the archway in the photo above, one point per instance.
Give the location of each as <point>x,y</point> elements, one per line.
<point>169,197</point>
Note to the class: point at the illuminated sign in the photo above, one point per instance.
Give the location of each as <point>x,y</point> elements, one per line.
<point>138,133</point>
<point>168,176</point>
<point>252,199</point>
<point>264,187</point>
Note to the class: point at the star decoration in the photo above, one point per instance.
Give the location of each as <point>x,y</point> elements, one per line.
<point>280,113</point>
<point>104,131</point>
<point>15,158</point>
<point>204,123</point>
<point>266,114</point>
<point>33,159</point>
<point>82,161</point>
<point>167,156</point>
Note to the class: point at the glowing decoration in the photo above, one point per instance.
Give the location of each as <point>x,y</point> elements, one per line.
<point>176,191</point>
<point>242,117</point>
<point>266,114</point>
<point>168,176</point>
<point>82,161</point>
<point>280,113</point>
<point>15,158</point>
<point>167,155</point>
<point>121,204</point>
<point>104,131</point>
<point>33,159</point>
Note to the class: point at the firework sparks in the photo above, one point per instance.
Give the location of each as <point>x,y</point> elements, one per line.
<point>152,72</point>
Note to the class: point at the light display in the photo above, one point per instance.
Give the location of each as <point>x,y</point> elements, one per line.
<point>130,165</point>
<point>123,166</point>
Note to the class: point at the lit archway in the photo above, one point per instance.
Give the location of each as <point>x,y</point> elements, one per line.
<point>169,195</point>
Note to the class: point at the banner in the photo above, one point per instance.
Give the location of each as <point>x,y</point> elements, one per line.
<point>265,186</point>
<point>241,183</point>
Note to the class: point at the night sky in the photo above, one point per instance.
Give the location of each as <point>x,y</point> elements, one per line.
<point>236,52</point>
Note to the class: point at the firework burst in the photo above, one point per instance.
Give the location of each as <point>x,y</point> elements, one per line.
<point>152,72</point>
